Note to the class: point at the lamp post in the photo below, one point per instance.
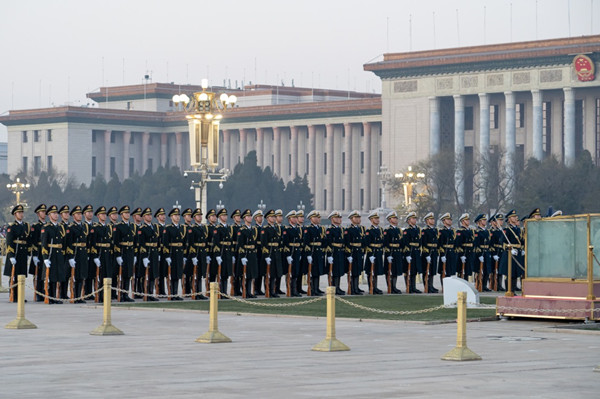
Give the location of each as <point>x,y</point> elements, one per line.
<point>220,206</point>
<point>262,206</point>
<point>409,179</point>
<point>204,113</point>
<point>18,188</point>
<point>384,176</point>
<point>301,206</point>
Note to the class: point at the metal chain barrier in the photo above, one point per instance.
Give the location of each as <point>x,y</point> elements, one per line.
<point>394,312</point>
<point>116,289</point>
<point>275,305</point>
<point>42,294</point>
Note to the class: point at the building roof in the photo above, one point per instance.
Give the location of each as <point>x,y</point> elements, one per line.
<point>486,57</point>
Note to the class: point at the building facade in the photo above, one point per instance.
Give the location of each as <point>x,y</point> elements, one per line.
<point>529,99</point>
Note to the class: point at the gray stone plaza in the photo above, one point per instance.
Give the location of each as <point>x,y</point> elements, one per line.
<point>271,357</point>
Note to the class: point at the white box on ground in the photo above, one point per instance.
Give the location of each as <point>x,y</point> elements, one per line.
<point>453,285</point>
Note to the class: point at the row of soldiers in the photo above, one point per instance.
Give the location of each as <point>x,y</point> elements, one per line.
<point>143,253</point>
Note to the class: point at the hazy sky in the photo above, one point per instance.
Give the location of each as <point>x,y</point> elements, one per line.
<point>53,52</point>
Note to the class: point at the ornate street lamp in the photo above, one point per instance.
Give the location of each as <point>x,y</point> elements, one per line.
<point>301,206</point>
<point>384,176</point>
<point>205,111</point>
<point>409,179</point>
<point>18,188</point>
<point>220,206</point>
<point>262,206</point>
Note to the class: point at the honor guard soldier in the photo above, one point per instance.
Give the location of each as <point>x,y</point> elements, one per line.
<point>188,265</point>
<point>113,216</point>
<point>222,240</point>
<point>374,241</point>
<point>161,218</point>
<point>63,212</point>
<point>103,249</point>
<point>392,252</point>
<point>292,243</point>
<point>35,244</point>
<point>88,221</point>
<point>411,237</point>
<point>354,238</point>
<point>53,253</point>
<point>137,281</point>
<point>236,283</point>
<point>481,250</point>
<point>271,242</point>
<point>198,252</point>
<point>447,264</point>
<point>247,263</point>
<point>303,265</point>
<point>211,223</point>
<point>314,235</point>
<point>149,252</point>
<point>258,220</point>
<point>175,238</point>
<point>514,245</point>
<point>464,246</point>
<point>17,248</point>
<point>77,252</point>
<point>124,235</point>
<point>336,258</point>
<point>279,227</point>
<point>535,214</point>
<point>496,249</point>
<point>429,252</point>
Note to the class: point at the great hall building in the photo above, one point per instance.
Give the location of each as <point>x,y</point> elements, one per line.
<point>530,99</point>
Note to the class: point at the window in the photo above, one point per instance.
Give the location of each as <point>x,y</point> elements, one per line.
<point>290,165</point>
<point>362,198</point>
<point>129,104</point>
<point>344,132</point>
<point>343,162</point>
<point>307,163</point>
<point>49,135</point>
<point>324,198</point>
<point>325,163</point>
<point>93,166</point>
<point>150,139</point>
<point>520,115</point>
<point>131,166</point>
<point>37,165</point>
<point>36,136</point>
<point>380,159</point>
<point>468,118</point>
<point>24,136</point>
<point>547,127</point>
<point>131,138</point>
<point>112,137</point>
<point>325,133</point>
<point>112,166</point>
<point>343,197</point>
<point>362,132</point>
<point>149,165</point>
<point>93,136</point>
<point>272,161</point>
<point>494,116</point>
<point>362,162</point>
<point>25,163</point>
<point>49,163</point>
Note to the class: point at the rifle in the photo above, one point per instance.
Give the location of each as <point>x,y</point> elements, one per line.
<point>120,281</point>
<point>329,274</point>
<point>72,280</point>
<point>426,282</point>
<point>407,280</point>
<point>97,283</point>
<point>389,277</point>
<point>371,278</point>
<point>443,274</point>
<point>349,277</point>
<point>146,280</point>
<point>288,280</point>
<point>157,278</point>
<point>309,278</point>
<point>35,277</point>
<point>462,273</point>
<point>47,282</point>
<point>480,278</point>
<point>195,280</point>
<point>495,281</point>
<point>12,276</point>
<point>244,293</point>
<point>169,281</point>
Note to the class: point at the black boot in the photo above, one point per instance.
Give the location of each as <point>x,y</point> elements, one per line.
<point>338,290</point>
<point>249,293</point>
<point>315,287</point>
<point>376,291</point>
<point>499,278</point>
<point>484,283</point>
<point>355,290</point>
<point>294,287</point>
<point>413,285</point>
<point>278,286</point>
<point>273,287</point>
<point>432,289</point>
<point>257,284</point>
<point>394,289</point>
<point>318,288</point>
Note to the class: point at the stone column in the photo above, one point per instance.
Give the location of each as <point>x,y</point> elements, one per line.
<point>179,150</point>
<point>355,166</point>
<point>537,122</point>
<point>226,150</point>
<point>484,139</point>
<point>347,178</point>
<point>434,126</point>
<point>107,134</point>
<point>312,149</point>
<point>459,147</point>
<point>367,164</point>
<point>510,141</point>
<point>294,150</point>
<point>145,143</point>
<point>569,122</point>
<point>331,191</point>
<point>259,146</point>
<point>126,138</point>
<point>164,143</point>
<point>243,144</point>
<point>276,151</point>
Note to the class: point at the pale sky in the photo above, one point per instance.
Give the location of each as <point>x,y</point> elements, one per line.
<point>53,52</point>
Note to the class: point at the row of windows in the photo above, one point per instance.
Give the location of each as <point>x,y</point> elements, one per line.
<point>519,116</point>
<point>37,164</point>
<point>113,162</point>
<point>113,137</point>
<point>36,135</point>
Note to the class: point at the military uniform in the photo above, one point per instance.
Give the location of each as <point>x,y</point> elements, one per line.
<point>247,256</point>
<point>53,239</point>
<point>271,241</point>
<point>314,237</point>
<point>149,252</point>
<point>392,253</point>
<point>447,237</point>
<point>336,255</point>
<point>36,266</point>
<point>355,241</point>
<point>175,239</point>
<point>259,256</point>
<point>513,241</point>
<point>17,247</point>
<point>496,250</point>
<point>463,245</point>
<point>411,239</point>
<point>481,251</point>
<point>223,246</point>
<point>292,244</point>
<point>102,236</point>
<point>77,253</point>
<point>429,253</point>
<point>124,237</point>
<point>199,250</point>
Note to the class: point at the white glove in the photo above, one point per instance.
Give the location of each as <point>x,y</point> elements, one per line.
<point>13,260</point>
<point>463,259</point>
<point>330,259</point>
<point>443,259</point>
<point>119,260</point>
<point>523,252</point>
<point>481,259</point>
<point>184,261</point>
<point>268,260</point>
<point>146,262</point>
<point>36,260</point>
<point>244,261</point>
<point>408,259</point>
<point>134,260</point>
<point>514,252</point>
<point>47,263</point>
<point>168,260</point>
<point>350,259</point>
<point>97,262</point>
<point>390,259</point>
<point>72,263</point>
<point>372,259</point>
<point>289,259</point>
<point>309,259</point>
<point>428,259</point>
<point>219,260</point>
<point>496,258</point>
<point>195,261</point>
<point>233,259</point>
<point>207,259</point>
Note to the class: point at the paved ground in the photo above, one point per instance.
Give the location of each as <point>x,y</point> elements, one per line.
<point>271,357</point>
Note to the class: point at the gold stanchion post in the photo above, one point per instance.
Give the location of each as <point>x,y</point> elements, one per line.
<point>107,328</point>
<point>330,343</point>
<point>461,352</point>
<point>21,322</point>
<point>213,335</point>
<point>509,287</point>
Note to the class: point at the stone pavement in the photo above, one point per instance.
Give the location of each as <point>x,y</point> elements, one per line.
<point>271,357</point>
